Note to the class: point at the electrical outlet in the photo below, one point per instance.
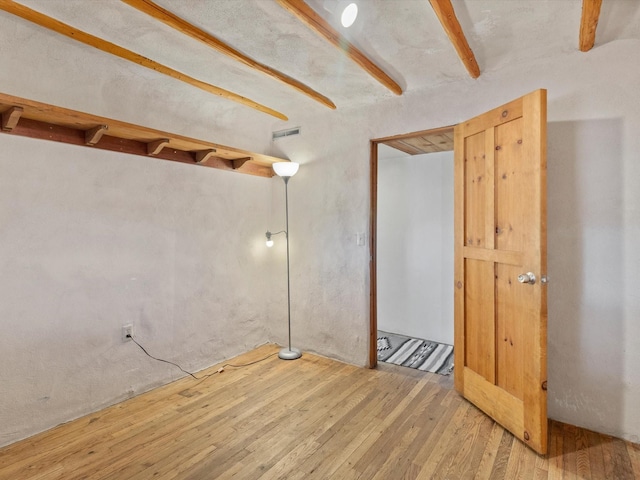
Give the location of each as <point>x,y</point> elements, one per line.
<point>127,332</point>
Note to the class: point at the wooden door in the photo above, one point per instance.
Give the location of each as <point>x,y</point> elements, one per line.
<point>500,237</point>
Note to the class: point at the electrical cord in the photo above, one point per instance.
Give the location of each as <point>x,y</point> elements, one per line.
<point>220,370</point>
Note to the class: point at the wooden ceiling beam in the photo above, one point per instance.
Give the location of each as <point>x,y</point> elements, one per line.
<point>447,16</point>
<point>589,23</point>
<point>181,25</point>
<point>108,47</point>
<point>315,22</point>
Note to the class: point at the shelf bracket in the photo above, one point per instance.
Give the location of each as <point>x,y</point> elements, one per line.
<point>204,155</point>
<point>10,118</point>
<point>154,148</point>
<point>93,135</point>
<point>239,162</point>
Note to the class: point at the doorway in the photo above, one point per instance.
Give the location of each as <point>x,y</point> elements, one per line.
<point>412,237</point>
<point>500,299</point>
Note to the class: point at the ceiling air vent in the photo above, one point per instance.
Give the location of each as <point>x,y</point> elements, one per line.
<point>285,133</point>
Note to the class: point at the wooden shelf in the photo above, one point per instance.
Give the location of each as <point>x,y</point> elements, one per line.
<point>39,120</point>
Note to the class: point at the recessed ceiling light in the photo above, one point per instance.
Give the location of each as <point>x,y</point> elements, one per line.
<point>349,15</point>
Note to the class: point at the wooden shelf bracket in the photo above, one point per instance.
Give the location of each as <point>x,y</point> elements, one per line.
<point>154,148</point>
<point>10,118</point>
<point>204,155</point>
<point>239,162</point>
<point>93,136</point>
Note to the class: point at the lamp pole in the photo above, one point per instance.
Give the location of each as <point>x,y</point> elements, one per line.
<point>286,226</point>
<point>288,353</point>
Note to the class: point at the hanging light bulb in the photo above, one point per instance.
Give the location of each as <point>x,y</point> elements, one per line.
<point>345,9</point>
<point>269,242</point>
<point>349,15</point>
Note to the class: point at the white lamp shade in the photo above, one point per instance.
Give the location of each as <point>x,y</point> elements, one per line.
<point>286,169</point>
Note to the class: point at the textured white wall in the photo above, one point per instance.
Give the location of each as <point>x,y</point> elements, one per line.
<point>93,240</point>
<point>593,222</point>
<point>415,245</point>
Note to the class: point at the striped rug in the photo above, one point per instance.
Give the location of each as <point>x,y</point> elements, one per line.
<point>415,353</point>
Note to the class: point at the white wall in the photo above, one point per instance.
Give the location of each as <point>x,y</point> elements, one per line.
<point>415,245</point>
<point>594,221</point>
<point>92,240</point>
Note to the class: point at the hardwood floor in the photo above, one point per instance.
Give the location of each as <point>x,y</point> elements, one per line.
<point>312,418</point>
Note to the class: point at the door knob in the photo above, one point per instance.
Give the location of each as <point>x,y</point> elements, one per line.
<point>528,277</point>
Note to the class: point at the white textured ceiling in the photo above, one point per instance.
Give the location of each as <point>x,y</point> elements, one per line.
<point>404,37</point>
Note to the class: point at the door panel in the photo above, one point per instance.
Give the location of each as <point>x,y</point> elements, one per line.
<point>509,329</point>
<point>476,191</point>
<point>479,318</point>
<point>500,234</point>
<point>513,187</point>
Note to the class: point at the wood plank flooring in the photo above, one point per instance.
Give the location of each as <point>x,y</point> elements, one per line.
<point>312,418</point>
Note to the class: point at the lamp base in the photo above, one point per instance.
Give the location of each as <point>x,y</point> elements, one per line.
<point>289,354</point>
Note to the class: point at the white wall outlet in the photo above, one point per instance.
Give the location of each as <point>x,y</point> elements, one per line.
<point>360,237</point>
<point>127,332</point>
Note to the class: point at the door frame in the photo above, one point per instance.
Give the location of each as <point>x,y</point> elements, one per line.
<point>373,226</point>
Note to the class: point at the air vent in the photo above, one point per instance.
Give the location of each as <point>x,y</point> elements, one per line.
<point>285,133</point>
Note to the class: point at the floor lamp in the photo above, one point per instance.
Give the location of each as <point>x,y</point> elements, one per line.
<point>286,170</point>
